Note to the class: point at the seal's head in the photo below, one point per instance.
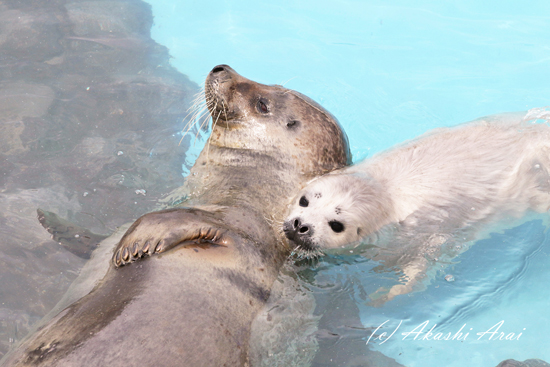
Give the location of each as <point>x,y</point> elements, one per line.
<point>335,211</point>
<point>275,121</point>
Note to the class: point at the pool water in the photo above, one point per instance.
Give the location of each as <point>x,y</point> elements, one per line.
<point>390,71</point>
<point>387,70</point>
<point>499,279</point>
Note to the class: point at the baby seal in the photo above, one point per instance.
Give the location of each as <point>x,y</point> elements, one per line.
<point>448,180</point>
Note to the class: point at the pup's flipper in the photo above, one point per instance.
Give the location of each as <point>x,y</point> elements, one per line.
<point>413,273</point>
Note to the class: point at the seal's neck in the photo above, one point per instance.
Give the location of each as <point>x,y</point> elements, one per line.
<point>252,136</point>
<point>245,179</point>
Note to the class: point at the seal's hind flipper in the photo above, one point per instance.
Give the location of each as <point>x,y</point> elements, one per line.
<point>74,238</point>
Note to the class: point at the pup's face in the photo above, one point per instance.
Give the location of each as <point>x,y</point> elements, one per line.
<point>323,215</point>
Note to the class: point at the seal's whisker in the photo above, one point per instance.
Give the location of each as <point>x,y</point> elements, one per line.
<point>214,125</point>
<point>205,117</point>
<point>194,121</point>
<point>196,113</point>
<point>204,102</point>
<point>224,112</point>
<point>272,220</point>
<point>279,222</point>
<point>196,98</point>
<point>210,137</point>
<point>204,123</point>
<point>280,243</point>
<point>299,253</point>
<point>279,232</point>
<point>197,110</point>
<point>208,98</point>
<point>198,103</point>
<point>203,126</point>
<point>199,97</point>
<point>197,106</point>
<point>200,94</point>
<point>283,84</point>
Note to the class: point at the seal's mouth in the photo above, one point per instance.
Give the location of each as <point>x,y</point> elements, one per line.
<point>216,89</point>
<point>301,241</point>
<point>215,101</point>
<point>301,253</point>
<point>297,240</point>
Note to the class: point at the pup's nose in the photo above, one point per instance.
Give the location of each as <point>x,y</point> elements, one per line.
<point>297,231</point>
<point>300,228</point>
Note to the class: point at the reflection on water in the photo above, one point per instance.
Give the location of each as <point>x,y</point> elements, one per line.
<point>90,114</point>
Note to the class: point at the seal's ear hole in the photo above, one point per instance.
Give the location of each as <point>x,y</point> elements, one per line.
<point>304,202</point>
<point>262,106</point>
<point>336,226</point>
<point>359,231</point>
<point>293,124</point>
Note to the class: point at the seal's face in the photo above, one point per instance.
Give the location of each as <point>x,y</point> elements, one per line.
<point>336,210</point>
<point>324,215</point>
<point>275,121</point>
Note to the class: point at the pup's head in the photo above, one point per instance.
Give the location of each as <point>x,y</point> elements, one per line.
<point>336,210</point>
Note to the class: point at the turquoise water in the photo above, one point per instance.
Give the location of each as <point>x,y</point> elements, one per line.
<point>390,70</point>
<point>500,279</point>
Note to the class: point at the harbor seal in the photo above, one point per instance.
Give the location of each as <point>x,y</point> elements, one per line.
<point>215,256</point>
<point>405,203</point>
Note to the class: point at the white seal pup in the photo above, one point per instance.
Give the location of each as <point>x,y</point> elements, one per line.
<point>426,191</point>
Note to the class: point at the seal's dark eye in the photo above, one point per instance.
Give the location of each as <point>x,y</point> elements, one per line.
<point>304,202</point>
<point>336,226</point>
<point>292,124</point>
<point>262,106</point>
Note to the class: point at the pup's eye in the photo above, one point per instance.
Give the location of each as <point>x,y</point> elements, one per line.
<point>336,226</point>
<point>262,106</point>
<point>304,202</point>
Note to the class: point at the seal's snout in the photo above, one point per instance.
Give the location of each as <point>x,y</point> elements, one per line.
<point>222,69</point>
<point>221,74</point>
<point>218,92</point>
<point>298,232</point>
<point>301,229</point>
<point>219,68</point>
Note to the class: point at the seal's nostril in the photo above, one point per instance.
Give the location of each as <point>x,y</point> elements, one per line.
<point>296,223</point>
<point>218,68</point>
<point>303,229</point>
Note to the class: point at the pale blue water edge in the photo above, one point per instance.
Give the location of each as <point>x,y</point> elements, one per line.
<point>389,71</point>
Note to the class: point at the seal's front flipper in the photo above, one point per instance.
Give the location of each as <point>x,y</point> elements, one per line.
<point>160,231</point>
<point>74,238</point>
<point>413,279</point>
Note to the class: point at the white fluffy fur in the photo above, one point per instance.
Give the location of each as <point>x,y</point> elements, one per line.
<point>447,180</point>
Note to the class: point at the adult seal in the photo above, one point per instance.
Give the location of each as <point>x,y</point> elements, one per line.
<point>185,284</point>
